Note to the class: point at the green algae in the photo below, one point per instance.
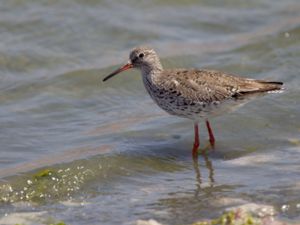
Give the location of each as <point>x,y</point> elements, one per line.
<point>56,223</point>
<point>50,223</point>
<point>231,218</point>
<point>43,173</point>
<point>44,185</point>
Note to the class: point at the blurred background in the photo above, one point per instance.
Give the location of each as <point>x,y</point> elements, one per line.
<point>77,150</point>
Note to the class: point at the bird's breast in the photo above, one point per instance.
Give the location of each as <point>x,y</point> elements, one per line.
<point>174,103</point>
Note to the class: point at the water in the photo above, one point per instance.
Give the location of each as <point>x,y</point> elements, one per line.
<point>111,154</point>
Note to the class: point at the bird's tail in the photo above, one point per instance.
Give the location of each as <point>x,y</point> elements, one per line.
<point>256,86</point>
<point>272,86</point>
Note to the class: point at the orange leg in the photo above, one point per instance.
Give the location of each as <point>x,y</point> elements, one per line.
<point>196,141</point>
<point>210,133</point>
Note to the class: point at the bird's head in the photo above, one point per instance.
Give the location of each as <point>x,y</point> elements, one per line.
<point>142,58</point>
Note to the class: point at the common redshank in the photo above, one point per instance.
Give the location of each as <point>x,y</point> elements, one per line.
<point>192,93</point>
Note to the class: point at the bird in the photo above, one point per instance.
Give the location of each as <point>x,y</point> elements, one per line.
<point>195,94</point>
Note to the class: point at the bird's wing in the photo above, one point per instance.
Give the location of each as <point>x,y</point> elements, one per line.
<point>211,85</point>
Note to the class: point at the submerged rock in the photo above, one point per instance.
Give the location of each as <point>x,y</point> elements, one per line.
<point>147,222</point>
<point>247,214</point>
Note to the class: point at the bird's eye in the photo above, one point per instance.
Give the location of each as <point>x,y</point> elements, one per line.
<point>141,55</point>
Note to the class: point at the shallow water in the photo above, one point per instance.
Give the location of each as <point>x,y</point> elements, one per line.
<point>115,157</point>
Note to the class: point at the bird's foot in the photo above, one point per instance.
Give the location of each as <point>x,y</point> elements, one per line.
<point>211,144</point>
<point>203,151</point>
<point>195,151</point>
<point>208,147</point>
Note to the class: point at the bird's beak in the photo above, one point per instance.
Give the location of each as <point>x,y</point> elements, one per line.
<point>122,68</point>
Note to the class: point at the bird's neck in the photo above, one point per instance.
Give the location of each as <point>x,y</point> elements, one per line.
<point>152,72</point>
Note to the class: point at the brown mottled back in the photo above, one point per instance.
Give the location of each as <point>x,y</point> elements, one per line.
<point>211,85</point>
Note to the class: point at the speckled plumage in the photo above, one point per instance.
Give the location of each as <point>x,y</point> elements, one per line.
<point>193,93</point>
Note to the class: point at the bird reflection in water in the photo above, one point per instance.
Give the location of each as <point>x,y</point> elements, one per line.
<point>209,166</point>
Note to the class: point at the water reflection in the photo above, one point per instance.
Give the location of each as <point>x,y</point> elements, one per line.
<point>209,166</point>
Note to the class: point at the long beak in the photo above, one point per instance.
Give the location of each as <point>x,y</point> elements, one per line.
<point>122,68</point>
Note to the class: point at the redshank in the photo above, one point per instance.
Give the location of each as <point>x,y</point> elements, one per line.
<point>192,93</point>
